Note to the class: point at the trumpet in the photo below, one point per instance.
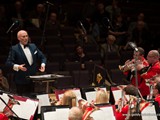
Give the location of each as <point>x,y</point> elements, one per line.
<point>126,67</point>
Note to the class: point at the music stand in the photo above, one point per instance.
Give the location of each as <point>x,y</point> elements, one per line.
<point>99,75</point>
<point>47,78</point>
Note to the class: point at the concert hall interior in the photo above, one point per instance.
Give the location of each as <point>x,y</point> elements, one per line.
<point>96,50</point>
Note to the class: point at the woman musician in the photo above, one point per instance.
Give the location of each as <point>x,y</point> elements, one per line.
<point>129,70</point>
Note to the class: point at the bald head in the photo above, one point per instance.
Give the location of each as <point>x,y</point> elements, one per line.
<point>153,56</point>
<point>22,36</point>
<point>154,53</point>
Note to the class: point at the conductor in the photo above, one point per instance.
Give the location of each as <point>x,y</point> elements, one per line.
<point>23,58</point>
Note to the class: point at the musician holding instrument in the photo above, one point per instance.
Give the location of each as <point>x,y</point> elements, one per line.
<point>129,70</point>
<point>154,68</point>
<point>130,108</point>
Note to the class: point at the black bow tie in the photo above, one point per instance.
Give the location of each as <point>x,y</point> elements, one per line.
<point>26,45</point>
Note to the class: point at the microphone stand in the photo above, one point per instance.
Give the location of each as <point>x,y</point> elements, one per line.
<point>44,28</point>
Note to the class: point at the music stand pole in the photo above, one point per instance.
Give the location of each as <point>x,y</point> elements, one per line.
<point>9,108</point>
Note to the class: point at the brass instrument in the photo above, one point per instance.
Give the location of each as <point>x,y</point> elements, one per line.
<point>127,66</point>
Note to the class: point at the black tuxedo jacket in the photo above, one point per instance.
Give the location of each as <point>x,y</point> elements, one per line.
<point>17,56</point>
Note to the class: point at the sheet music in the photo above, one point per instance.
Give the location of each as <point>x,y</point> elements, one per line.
<point>149,113</point>
<point>50,115</point>
<point>118,94</point>
<point>103,114</point>
<point>78,93</point>
<point>41,76</point>
<point>59,114</point>
<point>109,111</point>
<point>46,76</point>
<point>90,96</point>
<point>6,99</point>
<point>62,113</point>
<point>26,109</point>
<point>43,101</point>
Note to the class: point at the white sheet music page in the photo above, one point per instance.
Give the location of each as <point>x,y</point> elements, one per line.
<point>109,111</point>
<point>78,93</point>
<point>118,94</point>
<point>90,96</point>
<point>43,101</point>
<point>41,76</point>
<point>59,114</point>
<point>104,113</point>
<point>6,99</point>
<point>50,115</point>
<point>26,109</point>
<point>62,113</point>
<point>149,113</point>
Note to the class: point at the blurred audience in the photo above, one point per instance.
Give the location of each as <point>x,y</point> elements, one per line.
<point>37,16</point>
<point>53,25</point>
<point>89,9</point>
<point>119,30</point>
<point>80,56</point>
<point>139,32</point>
<point>113,9</point>
<point>109,46</point>
<point>101,18</point>
<point>19,13</point>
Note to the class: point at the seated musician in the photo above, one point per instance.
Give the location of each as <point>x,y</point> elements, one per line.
<point>87,108</point>
<point>129,107</point>
<point>69,98</point>
<point>102,97</point>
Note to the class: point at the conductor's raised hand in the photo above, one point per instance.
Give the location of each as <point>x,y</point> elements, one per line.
<point>22,67</point>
